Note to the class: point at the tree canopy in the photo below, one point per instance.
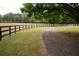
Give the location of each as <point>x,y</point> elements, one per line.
<point>15,18</point>
<point>48,10</point>
<point>55,13</point>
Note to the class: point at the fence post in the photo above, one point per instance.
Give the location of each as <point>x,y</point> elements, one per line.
<point>23,27</point>
<point>19,28</point>
<point>9,30</point>
<point>15,29</point>
<point>34,25</point>
<point>28,26</point>
<point>0,34</point>
<point>31,26</point>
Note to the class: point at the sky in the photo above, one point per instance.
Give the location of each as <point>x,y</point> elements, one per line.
<point>7,6</point>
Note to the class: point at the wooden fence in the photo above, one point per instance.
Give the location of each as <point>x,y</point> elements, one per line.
<point>9,30</point>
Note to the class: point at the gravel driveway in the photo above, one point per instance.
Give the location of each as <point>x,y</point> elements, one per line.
<point>58,44</point>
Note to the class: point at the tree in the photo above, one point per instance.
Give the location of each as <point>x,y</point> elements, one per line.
<point>0,18</point>
<point>11,17</point>
<point>71,10</point>
<point>46,10</point>
<point>40,11</point>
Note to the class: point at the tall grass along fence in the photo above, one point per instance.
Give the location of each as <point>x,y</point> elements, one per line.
<point>9,30</point>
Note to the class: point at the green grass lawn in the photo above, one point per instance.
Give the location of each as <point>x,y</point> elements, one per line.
<point>74,29</point>
<point>27,42</point>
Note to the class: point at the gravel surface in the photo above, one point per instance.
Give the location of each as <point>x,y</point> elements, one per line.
<point>58,44</point>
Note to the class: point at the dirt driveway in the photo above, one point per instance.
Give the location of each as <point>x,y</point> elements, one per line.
<point>58,44</point>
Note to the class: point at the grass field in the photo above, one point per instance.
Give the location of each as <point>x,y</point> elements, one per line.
<point>72,33</point>
<point>74,29</point>
<point>28,42</point>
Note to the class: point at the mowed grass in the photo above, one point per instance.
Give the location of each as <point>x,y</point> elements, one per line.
<point>73,29</point>
<point>27,42</point>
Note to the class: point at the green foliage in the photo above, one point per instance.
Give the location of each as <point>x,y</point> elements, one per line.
<point>39,10</point>
<point>10,17</point>
<point>0,18</point>
<point>45,13</point>
<point>56,19</point>
<point>49,10</point>
<point>71,10</point>
<point>67,20</point>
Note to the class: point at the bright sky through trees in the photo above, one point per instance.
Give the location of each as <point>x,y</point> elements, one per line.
<point>7,6</point>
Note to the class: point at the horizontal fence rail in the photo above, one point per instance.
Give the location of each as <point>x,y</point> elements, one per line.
<point>9,30</point>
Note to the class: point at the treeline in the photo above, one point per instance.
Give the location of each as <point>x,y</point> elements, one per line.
<point>13,18</point>
<point>55,13</point>
<point>23,18</point>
